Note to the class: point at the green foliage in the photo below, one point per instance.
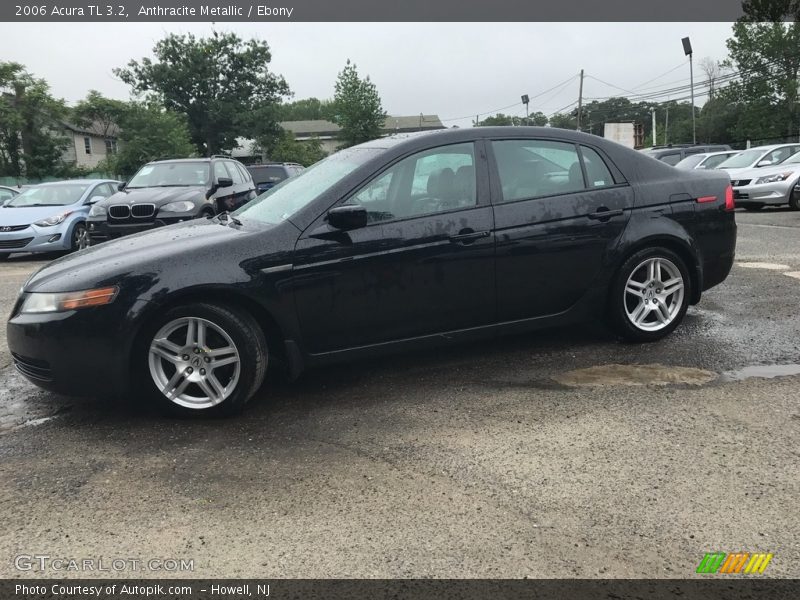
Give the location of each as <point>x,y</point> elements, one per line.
<point>287,149</point>
<point>357,108</point>
<point>222,84</point>
<point>501,120</point>
<point>308,109</point>
<point>148,132</point>
<point>31,139</point>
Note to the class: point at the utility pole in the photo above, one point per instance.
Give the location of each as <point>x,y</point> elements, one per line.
<point>666,127</point>
<point>687,51</point>
<point>580,103</point>
<point>653,114</point>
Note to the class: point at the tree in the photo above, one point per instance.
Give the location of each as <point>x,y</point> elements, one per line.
<point>148,132</point>
<point>308,109</point>
<point>537,118</point>
<point>357,108</point>
<point>31,139</point>
<point>101,112</point>
<point>766,52</point>
<point>285,148</point>
<point>222,84</point>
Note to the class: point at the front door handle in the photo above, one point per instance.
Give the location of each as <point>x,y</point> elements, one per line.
<point>603,213</point>
<point>467,236</point>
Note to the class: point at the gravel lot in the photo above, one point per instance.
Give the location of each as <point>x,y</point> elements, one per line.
<point>497,459</point>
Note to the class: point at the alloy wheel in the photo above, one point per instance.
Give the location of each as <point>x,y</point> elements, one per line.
<point>80,239</point>
<point>194,363</point>
<point>653,294</point>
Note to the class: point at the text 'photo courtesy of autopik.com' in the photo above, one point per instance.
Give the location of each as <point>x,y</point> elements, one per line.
<point>341,299</point>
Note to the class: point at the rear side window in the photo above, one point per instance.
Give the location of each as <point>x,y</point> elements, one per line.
<point>597,173</point>
<point>535,168</point>
<point>671,159</point>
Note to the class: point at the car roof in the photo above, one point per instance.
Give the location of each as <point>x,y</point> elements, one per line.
<point>73,181</point>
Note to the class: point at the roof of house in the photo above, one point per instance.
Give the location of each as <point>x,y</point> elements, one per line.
<point>95,128</point>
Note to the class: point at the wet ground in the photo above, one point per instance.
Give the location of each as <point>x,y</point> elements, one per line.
<point>562,454</point>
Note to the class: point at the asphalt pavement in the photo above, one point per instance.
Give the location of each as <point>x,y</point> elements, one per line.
<point>561,454</point>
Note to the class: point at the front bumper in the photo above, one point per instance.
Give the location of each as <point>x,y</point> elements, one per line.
<point>35,239</point>
<point>101,230</point>
<point>84,352</point>
<point>764,193</point>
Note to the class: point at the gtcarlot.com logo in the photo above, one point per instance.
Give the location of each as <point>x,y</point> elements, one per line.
<point>736,562</point>
<point>44,563</point>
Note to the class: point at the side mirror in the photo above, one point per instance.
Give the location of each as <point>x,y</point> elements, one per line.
<point>95,199</point>
<point>121,186</point>
<point>224,182</point>
<point>764,163</point>
<point>347,217</point>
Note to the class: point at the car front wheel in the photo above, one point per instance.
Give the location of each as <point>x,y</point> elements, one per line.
<point>80,238</point>
<point>204,359</point>
<point>650,295</point>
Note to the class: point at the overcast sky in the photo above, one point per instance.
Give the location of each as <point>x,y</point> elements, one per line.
<point>454,70</point>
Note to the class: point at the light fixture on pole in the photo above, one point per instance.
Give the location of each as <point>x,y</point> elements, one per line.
<point>525,101</point>
<point>687,50</point>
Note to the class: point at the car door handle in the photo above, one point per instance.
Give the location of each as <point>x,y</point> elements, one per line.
<point>603,213</point>
<point>467,236</point>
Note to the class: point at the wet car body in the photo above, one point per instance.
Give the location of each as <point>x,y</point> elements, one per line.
<point>322,294</point>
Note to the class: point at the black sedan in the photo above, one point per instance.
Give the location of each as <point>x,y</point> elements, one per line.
<point>396,243</point>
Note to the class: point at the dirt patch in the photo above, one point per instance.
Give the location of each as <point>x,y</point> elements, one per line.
<point>655,374</point>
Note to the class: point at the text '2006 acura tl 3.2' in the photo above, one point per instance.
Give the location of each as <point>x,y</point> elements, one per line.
<point>399,242</point>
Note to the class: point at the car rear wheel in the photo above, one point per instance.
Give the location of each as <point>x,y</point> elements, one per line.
<point>204,359</point>
<point>650,295</point>
<point>80,238</point>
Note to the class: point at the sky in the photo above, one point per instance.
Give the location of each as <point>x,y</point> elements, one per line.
<point>453,70</point>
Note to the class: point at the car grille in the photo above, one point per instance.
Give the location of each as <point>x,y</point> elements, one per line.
<point>15,243</point>
<point>134,212</point>
<point>35,369</point>
<point>740,182</point>
<point>119,211</point>
<point>143,211</point>
<point>737,195</point>
<point>6,228</point>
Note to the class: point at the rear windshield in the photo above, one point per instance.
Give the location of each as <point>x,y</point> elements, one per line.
<point>267,174</point>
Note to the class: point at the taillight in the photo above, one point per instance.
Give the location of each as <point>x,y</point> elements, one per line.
<point>729,203</point>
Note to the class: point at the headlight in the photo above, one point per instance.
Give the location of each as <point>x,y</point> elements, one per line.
<point>44,303</point>
<point>97,210</point>
<point>54,220</point>
<point>773,178</point>
<point>184,206</point>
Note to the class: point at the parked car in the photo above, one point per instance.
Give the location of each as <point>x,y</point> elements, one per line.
<point>270,174</point>
<point>170,191</point>
<point>776,185</point>
<point>756,158</point>
<point>674,153</point>
<point>7,193</point>
<point>51,216</point>
<point>402,242</point>
<point>706,160</point>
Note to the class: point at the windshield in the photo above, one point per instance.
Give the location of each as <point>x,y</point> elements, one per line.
<point>690,162</point>
<point>741,160</point>
<point>49,195</point>
<point>175,174</point>
<point>285,199</point>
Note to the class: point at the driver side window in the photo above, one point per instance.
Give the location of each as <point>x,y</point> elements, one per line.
<point>429,182</point>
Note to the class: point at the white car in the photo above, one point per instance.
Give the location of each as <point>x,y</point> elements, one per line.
<point>706,160</point>
<point>756,158</point>
<point>755,188</point>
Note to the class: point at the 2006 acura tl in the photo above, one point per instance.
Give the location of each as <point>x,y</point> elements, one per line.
<point>398,242</point>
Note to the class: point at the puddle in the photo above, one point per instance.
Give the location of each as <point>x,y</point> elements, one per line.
<point>764,265</point>
<point>761,371</point>
<point>654,374</point>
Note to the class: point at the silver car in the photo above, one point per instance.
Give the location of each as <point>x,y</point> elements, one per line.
<point>706,160</point>
<point>757,158</point>
<point>755,188</point>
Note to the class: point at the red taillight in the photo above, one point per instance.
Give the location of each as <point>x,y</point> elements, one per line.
<point>729,203</point>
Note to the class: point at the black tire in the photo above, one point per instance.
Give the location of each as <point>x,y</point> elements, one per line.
<point>79,238</point>
<point>753,207</point>
<point>247,338</point>
<point>620,302</point>
<point>794,199</point>
<point>4,257</point>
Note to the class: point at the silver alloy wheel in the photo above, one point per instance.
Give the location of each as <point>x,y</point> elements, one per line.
<point>653,294</point>
<point>81,238</point>
<point>194,362</point>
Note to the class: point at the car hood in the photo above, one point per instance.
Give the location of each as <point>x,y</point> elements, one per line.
<point>155,195</point>
<point>108,263</point>
<point>762,171</point>
<point>30,214</point>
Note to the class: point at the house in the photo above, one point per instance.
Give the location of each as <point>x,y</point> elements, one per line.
<point>88,146</point>
<point>327,132</point>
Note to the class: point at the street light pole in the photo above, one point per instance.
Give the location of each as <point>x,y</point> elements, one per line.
<point>687,50</point>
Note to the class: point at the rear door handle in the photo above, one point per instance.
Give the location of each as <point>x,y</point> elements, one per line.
<point>603,213</point>
<point>467,236</point>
